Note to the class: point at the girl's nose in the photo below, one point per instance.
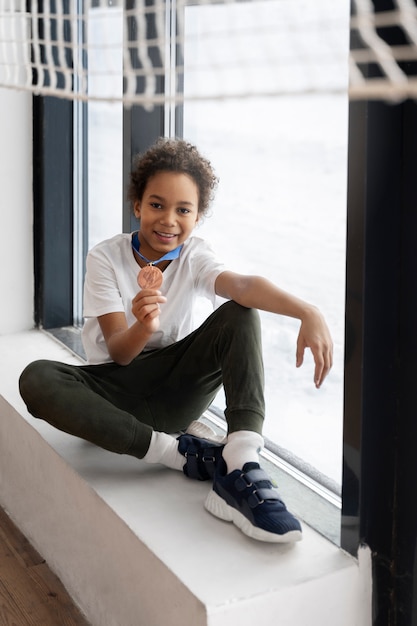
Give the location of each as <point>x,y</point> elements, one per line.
<point>168,218</point>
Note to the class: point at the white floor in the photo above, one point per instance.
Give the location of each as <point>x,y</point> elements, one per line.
<point>133,543</point>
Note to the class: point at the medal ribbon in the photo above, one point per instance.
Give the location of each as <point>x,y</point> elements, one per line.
<point>169,256</point>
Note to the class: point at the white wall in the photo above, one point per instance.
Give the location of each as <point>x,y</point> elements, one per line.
<point>16,214</point>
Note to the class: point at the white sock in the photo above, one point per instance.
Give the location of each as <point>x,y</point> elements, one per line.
<point>164,449</point>
<point>242,446</point>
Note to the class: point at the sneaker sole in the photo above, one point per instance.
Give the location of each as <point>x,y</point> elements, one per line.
<point>203,431</point>
<point>215,505</point>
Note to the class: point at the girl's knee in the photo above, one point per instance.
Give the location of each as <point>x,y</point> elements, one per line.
<point>241,316</point>
<point>34,380</point>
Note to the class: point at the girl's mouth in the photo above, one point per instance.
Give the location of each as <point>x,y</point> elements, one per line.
<point>166,237</point>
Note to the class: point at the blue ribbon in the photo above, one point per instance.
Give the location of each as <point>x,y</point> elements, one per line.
<point>169,256</point>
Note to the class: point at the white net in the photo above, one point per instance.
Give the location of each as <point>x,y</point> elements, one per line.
<point>383,58</point>
<point>146,51</point>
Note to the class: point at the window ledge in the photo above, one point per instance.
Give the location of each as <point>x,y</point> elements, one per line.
<point>133,543</point>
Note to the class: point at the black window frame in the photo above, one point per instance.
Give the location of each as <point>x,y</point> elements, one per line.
<point>381,347</point>
<point>53,211</point>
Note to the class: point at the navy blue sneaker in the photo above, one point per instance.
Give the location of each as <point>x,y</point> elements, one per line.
<point>202,456</point>
<point>248,499</point>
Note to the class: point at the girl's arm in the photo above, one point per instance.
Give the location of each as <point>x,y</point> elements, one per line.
<point>124,343</point>
<point>259,293</point>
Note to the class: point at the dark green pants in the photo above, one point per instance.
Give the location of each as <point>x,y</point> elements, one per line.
<point>117,407</point>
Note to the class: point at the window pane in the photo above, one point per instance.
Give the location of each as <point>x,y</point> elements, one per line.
<point>280,209</point>
<point>105,129</point>
<point>98,139</point>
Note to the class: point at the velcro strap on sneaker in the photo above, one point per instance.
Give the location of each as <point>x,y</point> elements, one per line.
<point>250,478</point>
<point>260,495</point>
<point>193,466</point>
<point>200,464</point>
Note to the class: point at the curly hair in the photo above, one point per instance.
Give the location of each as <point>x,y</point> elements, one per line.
<point>173,155</point>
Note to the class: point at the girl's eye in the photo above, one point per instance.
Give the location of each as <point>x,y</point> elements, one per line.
<point>183,211</point>
<point>156,205</point>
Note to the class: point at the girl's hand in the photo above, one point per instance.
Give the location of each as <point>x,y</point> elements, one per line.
<point>125,342</point>
<point>145,307</point>
<point>314,334</point>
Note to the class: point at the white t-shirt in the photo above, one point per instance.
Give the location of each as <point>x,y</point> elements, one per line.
<point>111,284</point>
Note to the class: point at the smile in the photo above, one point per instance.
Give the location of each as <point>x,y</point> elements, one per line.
<point>165,235</point>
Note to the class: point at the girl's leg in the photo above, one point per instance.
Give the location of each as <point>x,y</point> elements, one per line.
<point>79,401</point>
<point>227,350</point>
<point>83,402</point>
<point>229,345</point>
<point>118,407</point>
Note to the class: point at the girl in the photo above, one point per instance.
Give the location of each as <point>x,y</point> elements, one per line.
<point>150,374</point>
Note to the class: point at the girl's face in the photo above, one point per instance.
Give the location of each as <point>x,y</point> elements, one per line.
<point>168,213</point>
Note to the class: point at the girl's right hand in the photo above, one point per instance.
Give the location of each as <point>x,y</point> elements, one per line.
<point>146,309</point>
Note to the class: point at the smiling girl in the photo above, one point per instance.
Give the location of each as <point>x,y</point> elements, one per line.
<point>150,373</point>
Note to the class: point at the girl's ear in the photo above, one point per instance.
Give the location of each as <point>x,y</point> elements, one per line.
<point>136,209</point>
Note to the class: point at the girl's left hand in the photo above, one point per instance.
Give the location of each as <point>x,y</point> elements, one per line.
<point>314,334</point>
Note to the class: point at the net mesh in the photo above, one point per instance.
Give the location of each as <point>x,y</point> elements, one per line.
<point>383,56</point>
<point>148,51</point>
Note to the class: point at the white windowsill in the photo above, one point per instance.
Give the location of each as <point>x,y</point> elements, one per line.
<point>133,543</point>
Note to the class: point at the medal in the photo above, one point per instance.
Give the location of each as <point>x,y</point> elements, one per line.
<point>150,276</point>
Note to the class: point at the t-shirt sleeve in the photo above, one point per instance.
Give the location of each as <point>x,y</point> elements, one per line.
<point>206,268</point>
<point>101,291</point>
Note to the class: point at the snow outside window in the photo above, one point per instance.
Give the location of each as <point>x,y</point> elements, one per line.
<point>280,210</point>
